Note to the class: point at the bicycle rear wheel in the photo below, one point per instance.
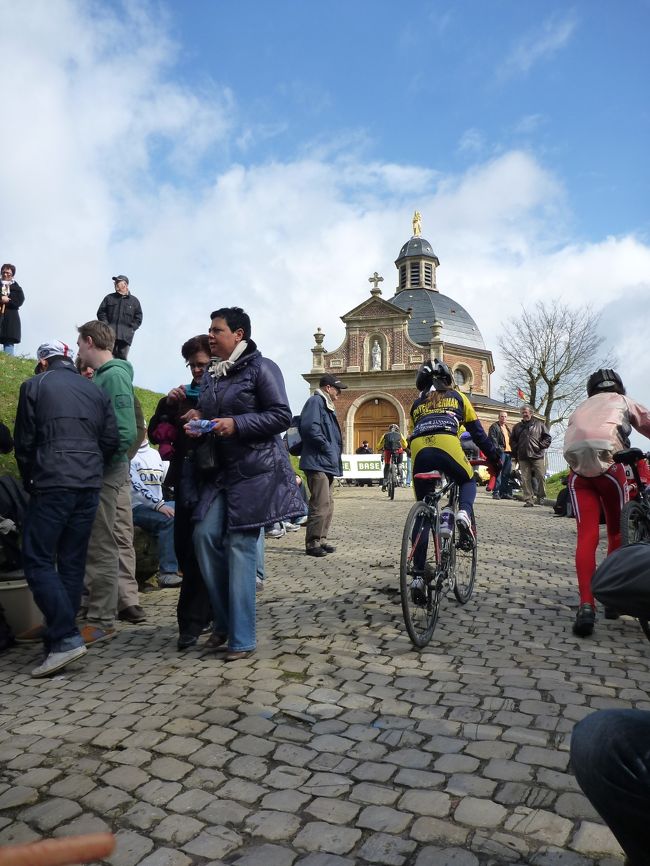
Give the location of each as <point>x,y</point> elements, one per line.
<point>634,524</point>
<point>464,567</point>
<point>419,582</point>
<point>392,480</point>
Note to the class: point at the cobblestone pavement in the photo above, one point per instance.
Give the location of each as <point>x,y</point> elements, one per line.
<point>336,743</point>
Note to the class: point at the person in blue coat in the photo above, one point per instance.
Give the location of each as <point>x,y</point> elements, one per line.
<point>320,460</point>
<point>250,482</point>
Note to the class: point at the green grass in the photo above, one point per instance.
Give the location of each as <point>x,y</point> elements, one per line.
<point>554,484</point>
<point>13,372</point>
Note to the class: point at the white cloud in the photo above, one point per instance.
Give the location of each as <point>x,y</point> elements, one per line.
<point>539,44</point>
<point>471,141</point>
<point>292,242</point>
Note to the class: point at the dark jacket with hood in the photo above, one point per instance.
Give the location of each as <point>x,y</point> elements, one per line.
<point>10,318</point>
<point>322,443</point>
<point>65,430</point>
<point>254,468</point>
<point>123,313</point>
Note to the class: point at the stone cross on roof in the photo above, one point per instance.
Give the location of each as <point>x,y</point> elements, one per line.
<point>375,279</point>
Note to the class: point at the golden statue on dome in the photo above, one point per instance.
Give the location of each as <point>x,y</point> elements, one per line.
<point>417,224</point>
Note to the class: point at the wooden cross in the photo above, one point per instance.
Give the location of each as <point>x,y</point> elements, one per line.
<point>375,279</point>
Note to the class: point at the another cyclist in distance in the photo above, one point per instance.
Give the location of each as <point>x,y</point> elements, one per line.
<point>598,428</point>
<point>393,444</point>
<point>438,415</point>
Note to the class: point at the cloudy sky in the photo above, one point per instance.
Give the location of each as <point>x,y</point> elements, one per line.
<point>271,155</point>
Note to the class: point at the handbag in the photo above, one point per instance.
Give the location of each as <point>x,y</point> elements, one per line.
<point>206,455</point>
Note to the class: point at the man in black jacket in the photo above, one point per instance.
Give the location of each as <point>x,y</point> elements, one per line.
<point>122,311</point>
<point>65,431</point>
<point>529,441</point>
<point>499,433</point>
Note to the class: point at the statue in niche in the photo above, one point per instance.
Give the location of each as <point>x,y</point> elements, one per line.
<point>376,356</point>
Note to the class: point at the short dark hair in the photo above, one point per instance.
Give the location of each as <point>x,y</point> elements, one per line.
<point>12,268</point>
<point>103,336</point>
<point>200,343</point>
<point>235,318</point>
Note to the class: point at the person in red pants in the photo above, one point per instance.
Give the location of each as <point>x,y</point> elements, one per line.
<point>598,428</point>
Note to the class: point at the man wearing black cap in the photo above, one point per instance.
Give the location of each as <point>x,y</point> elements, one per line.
<point>122,311</point>
<point>320,460</point>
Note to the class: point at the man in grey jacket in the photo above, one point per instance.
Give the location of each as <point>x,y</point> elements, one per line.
<point>320,460</point>
<point>529,441</point>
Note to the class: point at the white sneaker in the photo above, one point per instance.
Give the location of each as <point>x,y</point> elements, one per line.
<point>55,661</point>
<point>170,579</point>
<point>277,531</point>
<point>291,527</point>
<point>301,522</point>
<point>464,524</point>
<point>259,584</point>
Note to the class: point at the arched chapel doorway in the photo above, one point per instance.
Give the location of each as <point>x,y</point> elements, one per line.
<point>371,421</point>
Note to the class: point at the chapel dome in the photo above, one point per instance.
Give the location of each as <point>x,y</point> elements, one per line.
<point>427,305</point>
<point>416,247</point>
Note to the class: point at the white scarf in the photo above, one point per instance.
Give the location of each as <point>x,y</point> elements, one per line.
<point>220,368</point>
<point>328,400</point>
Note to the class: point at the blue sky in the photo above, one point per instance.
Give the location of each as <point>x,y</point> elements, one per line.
<point>271,154</point>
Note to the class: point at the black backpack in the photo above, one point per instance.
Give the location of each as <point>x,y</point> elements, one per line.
<point>392,441</point>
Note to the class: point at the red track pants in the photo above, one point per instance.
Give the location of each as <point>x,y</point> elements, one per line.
<point>587,497</point>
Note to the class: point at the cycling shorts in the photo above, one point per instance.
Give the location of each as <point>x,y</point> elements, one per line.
<point>462,469</point>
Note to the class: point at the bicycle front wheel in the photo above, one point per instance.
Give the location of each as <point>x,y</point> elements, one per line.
<point>419,583</point>
<point>464,568</point>
<point>634,524</point>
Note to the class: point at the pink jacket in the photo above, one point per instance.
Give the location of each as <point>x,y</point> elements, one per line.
<point>598,428</point>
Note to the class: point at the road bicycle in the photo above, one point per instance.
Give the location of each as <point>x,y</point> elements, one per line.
<point>635,515</point>
<point>434,558</point>
<point>393,479</point>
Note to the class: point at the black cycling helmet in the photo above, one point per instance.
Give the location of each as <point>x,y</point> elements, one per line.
<point>604,380</point>
<point>434,374</point>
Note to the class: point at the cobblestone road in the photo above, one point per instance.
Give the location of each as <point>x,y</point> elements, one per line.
<point>336,743</point>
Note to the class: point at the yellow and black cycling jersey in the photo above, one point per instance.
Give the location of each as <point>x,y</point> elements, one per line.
<point>438,419</point>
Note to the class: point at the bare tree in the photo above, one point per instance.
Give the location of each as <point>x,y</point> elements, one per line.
<point>550,351</point>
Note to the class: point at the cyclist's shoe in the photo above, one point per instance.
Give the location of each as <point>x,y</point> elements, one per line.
<point>585,619</point>
<point>465,531</point>
<point>418,592</point>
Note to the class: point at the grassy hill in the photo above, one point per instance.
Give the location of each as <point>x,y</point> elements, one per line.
<point>13,372</point>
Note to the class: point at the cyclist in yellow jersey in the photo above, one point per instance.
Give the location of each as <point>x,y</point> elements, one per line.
<point>439,414</point>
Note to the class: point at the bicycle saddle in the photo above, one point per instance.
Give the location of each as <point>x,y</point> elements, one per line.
<point>629,455</point>
<point>428,476</point>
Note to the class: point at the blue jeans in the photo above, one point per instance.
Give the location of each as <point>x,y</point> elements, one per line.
<point>228,563</point>
<point>502,487</point>
<point>57,529</point>
<point>610,756</point>
<point>162,527</point>
<point>260,570</point>
<point>8,348</point>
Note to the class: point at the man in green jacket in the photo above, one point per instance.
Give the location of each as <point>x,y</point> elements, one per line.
<point>95,342</point>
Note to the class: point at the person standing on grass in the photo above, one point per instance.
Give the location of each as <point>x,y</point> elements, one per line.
<point>12,298</point>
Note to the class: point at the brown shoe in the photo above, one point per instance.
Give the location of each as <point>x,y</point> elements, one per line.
<point>32,635</point>
<point>216,640</point>
<point>236,655</point>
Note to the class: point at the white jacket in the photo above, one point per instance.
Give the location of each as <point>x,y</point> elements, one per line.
<point>598,428</point>
<point>147,475</point>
